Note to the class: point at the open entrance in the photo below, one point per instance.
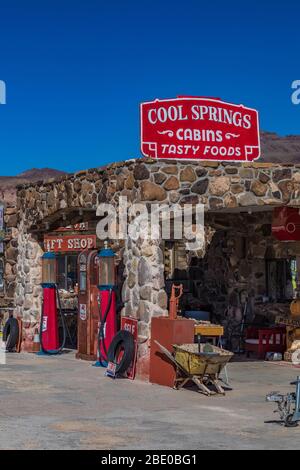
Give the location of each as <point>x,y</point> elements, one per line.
<point>245,281</point>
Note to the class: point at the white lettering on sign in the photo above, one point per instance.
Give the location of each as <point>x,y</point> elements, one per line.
<point>80,244</point>
<point>173,113</point>
<point>70,243</point>
<point>200,113</point>
<point>130,327</point>
<point>181,128</point>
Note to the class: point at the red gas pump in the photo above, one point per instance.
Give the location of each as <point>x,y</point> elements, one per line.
<point>49,338</point>
<point>106,303</point>
<point>88,310</point>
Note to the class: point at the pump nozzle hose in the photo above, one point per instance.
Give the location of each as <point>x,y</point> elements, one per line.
<point>101,334</point>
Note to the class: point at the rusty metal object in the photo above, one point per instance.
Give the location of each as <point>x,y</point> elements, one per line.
<point>176,294</point>
<point>202,368</point>
<point>167,332</point>
<point>19,344</point>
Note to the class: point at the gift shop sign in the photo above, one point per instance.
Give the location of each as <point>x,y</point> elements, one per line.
<point>67,243</point>
<point>200,129</point>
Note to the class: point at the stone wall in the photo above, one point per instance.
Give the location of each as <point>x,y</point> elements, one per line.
<point>28,292</point>
<point>235,260</point>
<point>10,257</point>
<point>143,291</point>
<point>219,186</point>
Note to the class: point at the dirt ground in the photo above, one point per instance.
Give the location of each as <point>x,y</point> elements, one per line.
<point>63,403</point>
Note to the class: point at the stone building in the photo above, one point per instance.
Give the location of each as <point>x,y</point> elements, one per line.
<point>241,258</point>
<point>8,249</point>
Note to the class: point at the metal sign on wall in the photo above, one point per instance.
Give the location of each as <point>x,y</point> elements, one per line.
<point>80,227</point>
<point>200,129</point>
<point>67,243</point>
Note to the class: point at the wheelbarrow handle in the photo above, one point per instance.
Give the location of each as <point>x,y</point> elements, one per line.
<point>166,352</point>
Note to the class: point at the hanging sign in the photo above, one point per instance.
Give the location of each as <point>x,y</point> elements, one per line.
<point>80,227</point>
<point>65,243</point>
<point>200,129</point>
<point>286,224</point>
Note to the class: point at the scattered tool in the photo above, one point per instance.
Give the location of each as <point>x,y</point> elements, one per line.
<point>176,294</point>
<point>288,405</point>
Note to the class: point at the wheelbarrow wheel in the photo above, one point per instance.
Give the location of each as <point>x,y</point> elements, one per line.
<point>289,423</point>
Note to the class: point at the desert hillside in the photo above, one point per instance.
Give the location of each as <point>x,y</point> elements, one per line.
<point>8,183</point>
<point>280,149</point>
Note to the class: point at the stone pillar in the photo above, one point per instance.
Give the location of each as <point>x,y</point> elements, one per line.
<point>28,294</point>
<point>143,292</point>
<point>10,253</point>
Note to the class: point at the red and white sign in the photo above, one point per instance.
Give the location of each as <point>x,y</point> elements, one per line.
<point>286,224</point>
<point>65,243</point>
<point>131,325</point>
<point>200,129</point>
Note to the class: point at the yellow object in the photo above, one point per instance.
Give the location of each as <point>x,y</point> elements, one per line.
<point>295,308</point>
<point>193,363</point>
<point>209,330</point>
<point>292,334</point>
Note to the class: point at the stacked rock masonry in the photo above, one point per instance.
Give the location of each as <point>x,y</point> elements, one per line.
<point>232,187</point>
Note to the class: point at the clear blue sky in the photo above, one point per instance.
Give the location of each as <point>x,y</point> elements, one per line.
<point>76,71</point>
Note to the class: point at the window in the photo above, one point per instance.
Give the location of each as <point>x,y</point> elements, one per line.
<point>281,279</point>
<point>67,272</point>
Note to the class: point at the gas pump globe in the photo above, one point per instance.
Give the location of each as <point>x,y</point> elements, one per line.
<point>49,269</point>
<point>107,268</point>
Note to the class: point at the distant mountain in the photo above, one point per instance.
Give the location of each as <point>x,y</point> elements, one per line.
<point>278,149</point>
<point>33,175</point>
<point>8,183</point>
<point>38,174</point>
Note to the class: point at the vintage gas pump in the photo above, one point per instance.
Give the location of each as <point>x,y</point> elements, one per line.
<point>88,310</point>
<point>106,303</point>
<point>49,338</point>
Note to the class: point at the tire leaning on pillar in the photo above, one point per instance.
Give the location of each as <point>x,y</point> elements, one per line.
<point>11,334</point>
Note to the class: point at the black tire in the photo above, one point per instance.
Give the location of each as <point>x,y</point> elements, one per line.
<point>289,423</point>
<point>122,341</point>
<point>11,334</point>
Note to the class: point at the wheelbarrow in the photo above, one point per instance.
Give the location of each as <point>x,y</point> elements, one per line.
<point>195,363</point>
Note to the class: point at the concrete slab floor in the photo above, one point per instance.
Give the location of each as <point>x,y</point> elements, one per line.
<point>63,403</point>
